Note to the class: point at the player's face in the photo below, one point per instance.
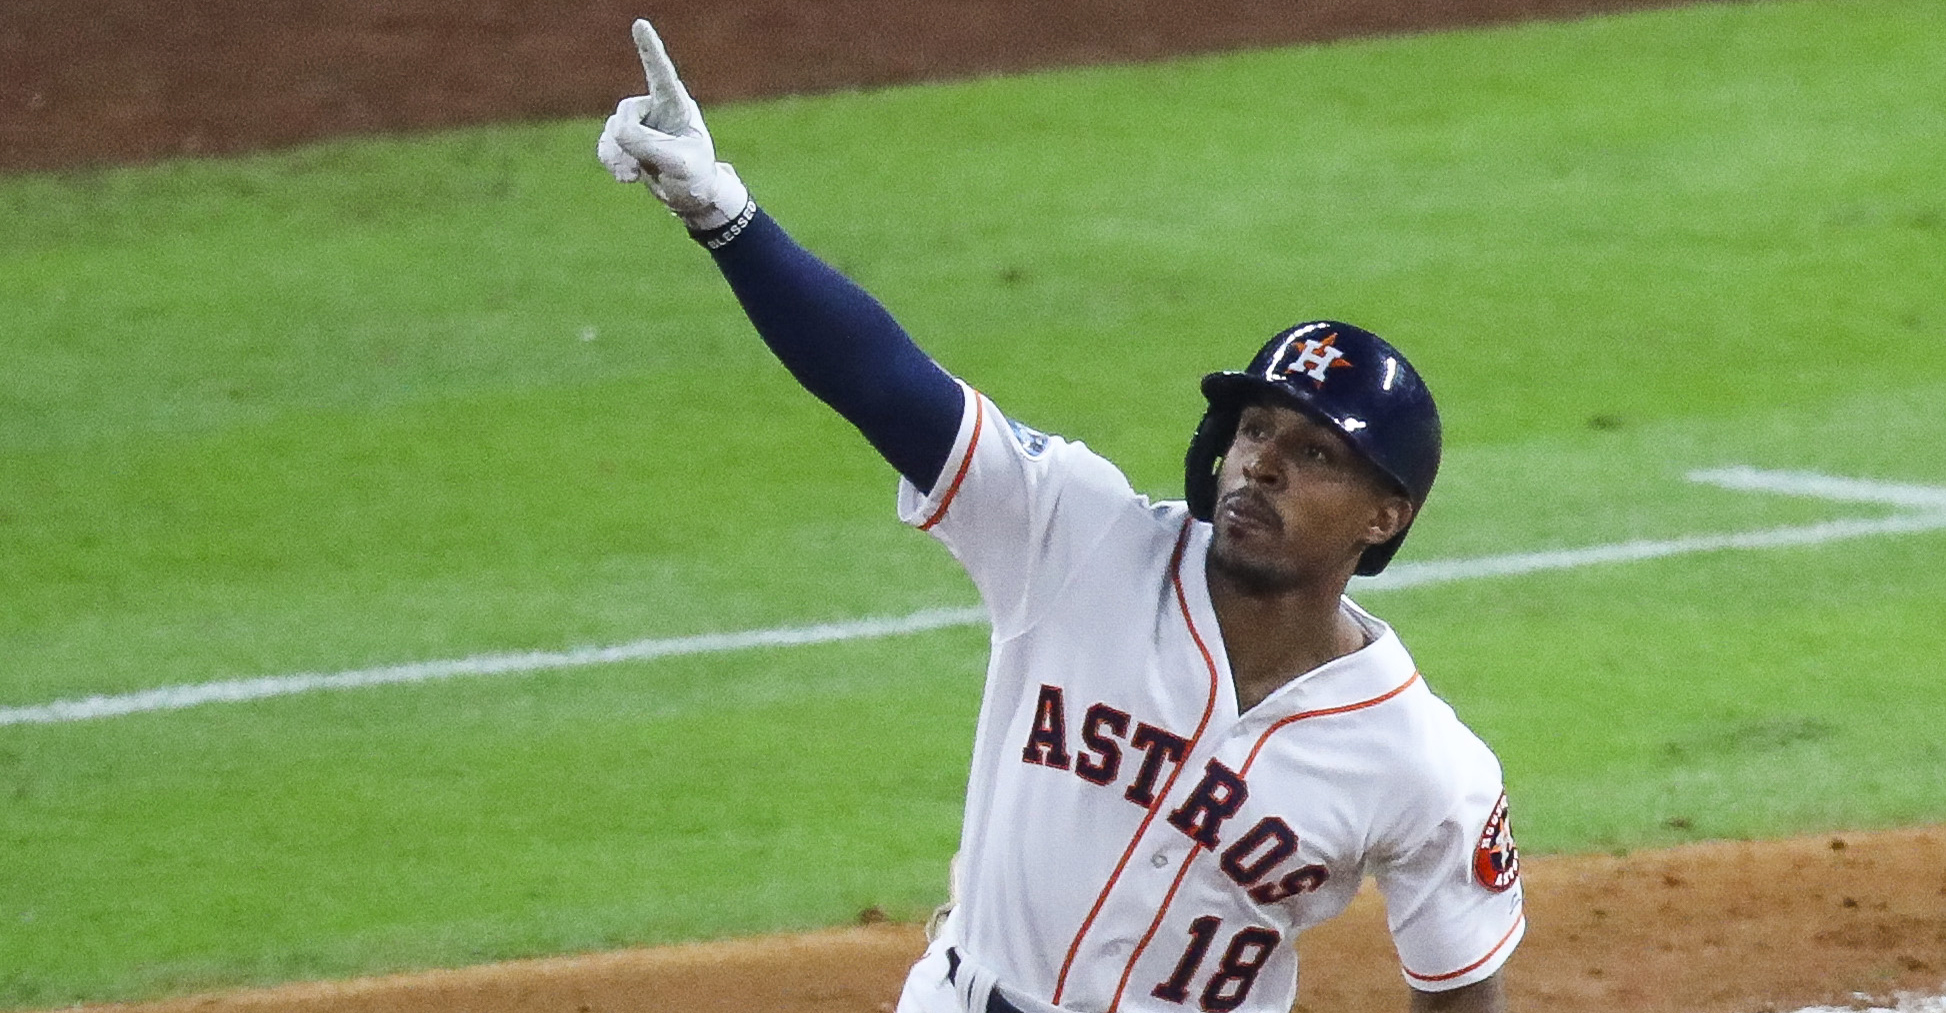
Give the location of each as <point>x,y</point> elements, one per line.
<point>1295,504</point>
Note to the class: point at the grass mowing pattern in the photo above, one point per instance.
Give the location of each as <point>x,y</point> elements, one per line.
<point>374,402</point>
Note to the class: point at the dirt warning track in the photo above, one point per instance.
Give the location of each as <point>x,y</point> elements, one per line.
<point>114,81</point>
<point>1722,927</point>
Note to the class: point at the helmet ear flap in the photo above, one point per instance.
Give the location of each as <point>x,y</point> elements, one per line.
<point>1206,450</point>
<point>1372,562</point>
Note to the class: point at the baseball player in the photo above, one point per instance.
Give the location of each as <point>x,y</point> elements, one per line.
<point>1191,746</point>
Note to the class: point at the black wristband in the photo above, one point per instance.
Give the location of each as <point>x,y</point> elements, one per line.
<point>721,236</point>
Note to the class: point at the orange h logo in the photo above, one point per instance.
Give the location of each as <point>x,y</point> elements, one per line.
<point>1316,357</point>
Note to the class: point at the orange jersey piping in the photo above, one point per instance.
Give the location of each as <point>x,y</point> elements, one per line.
<point>972,444</point>
<point>1518,922</point>
<point>1195,852</point>
<point>1209,707</point>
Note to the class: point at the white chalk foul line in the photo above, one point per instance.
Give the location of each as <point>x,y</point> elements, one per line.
<point>1907,1003</point>
<point>1405,575</point>
<point>1400,575</point>
<point>237,690</point>
<point>1831,487</point>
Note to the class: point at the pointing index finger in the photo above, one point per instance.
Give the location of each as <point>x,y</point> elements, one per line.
<point>664,85</point>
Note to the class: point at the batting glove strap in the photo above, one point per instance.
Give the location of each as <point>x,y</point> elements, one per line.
<point>722,235</point>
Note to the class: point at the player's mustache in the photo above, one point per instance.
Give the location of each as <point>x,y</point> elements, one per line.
<point>1254,505</point>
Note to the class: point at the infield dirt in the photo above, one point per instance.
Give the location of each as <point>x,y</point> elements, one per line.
<point>1719,927</point>
<point>1705,928</point>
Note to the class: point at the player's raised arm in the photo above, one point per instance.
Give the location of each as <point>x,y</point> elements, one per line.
<point>832,335</point>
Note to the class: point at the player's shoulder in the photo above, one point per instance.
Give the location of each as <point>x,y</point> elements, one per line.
<point>1430,751</point>
<point>1393,663</point>
<point>1053,451</point>
<point>1079,473</point>
<point>1429,774</point>
<point>1439,766</point>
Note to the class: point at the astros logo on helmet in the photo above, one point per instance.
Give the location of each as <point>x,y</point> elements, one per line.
<point>1312,360</point>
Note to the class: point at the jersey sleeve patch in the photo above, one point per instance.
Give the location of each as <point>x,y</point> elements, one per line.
<point>1031,441</point>
<point>1496,859</point>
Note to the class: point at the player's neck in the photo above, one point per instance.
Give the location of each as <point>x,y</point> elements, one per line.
<point>1272,637</point>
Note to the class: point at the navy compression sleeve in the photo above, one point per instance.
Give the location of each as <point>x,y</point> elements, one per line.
<point>842,346</point>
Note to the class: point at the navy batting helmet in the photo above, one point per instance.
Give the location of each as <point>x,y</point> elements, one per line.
<point>1345,377</point>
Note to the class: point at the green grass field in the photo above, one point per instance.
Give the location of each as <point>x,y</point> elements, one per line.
<point>387,401</point>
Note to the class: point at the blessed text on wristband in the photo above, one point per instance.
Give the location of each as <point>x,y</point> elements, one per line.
<point>718,238</point>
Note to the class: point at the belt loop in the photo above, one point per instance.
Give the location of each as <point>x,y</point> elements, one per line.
<point>997,1003</point>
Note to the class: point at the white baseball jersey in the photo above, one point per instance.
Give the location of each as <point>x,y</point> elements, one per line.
<point>1131,841</point>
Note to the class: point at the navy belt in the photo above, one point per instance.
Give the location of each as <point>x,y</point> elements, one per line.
<point>996,1003</point>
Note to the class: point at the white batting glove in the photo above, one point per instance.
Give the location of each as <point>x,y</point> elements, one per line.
<point>659,138</point>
